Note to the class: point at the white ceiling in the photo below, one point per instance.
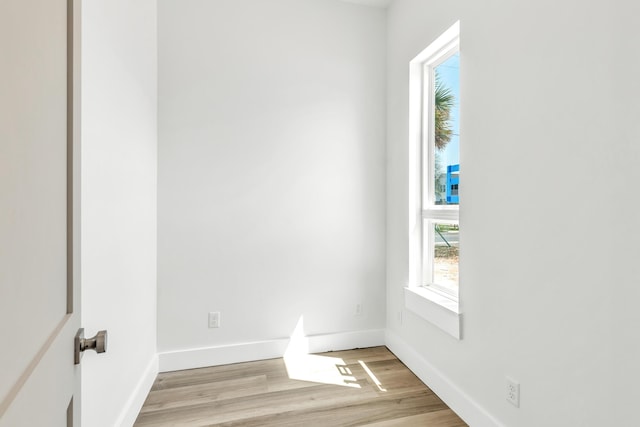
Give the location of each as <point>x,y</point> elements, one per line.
<point>372,3</point>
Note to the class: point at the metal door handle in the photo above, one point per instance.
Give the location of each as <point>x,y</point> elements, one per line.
<point>97,343</point>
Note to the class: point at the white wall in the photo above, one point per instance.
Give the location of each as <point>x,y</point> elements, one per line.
<point>119,174</point>
<point>271,169</point>
<point>549,275</point>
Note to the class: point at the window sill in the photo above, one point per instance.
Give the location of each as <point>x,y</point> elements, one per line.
<point>434,308</point>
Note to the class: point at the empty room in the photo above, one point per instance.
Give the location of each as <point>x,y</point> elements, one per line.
<point>319,212</point>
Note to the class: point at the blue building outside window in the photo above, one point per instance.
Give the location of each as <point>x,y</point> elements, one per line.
<point>453,181</point>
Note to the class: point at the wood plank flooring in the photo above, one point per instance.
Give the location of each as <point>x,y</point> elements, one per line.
<point>364,387</point>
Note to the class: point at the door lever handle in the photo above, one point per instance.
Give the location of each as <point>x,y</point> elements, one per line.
<point>97,343</point>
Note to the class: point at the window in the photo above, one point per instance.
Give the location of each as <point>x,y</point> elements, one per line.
<point>435,175</point>
<point>440,147</point>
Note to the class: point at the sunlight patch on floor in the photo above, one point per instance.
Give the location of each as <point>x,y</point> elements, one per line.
<point>303,366</point>
<point>372,376</point>
<point>320,369</point>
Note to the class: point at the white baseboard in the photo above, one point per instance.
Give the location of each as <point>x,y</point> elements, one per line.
<point>262,350</point>
<point>346,340</point>
<point>132,408</point>
<point>461,403</point>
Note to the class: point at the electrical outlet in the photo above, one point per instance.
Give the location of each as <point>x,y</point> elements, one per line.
<point>358,310</point>
<point>513,392</point>
<point>214,319</point>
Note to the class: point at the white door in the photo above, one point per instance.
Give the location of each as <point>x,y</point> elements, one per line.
<point>39,297</point>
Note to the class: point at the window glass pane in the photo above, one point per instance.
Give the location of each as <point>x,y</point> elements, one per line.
<point>446,244</point>
<point>447,132</point>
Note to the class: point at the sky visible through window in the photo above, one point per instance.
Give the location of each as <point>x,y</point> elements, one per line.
<point>449,73</point>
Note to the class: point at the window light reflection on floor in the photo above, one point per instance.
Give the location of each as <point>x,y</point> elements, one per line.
<point>320,369</point>
<point>303,366</point>
<point>371,375</point>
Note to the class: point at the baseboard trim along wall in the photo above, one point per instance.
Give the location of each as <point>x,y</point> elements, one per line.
<point>461,403</point>
<point>262,350</point>
<point>132,408</point>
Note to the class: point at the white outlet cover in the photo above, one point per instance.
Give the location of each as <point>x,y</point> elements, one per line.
<point>513,392</point>
<point>214,319</point>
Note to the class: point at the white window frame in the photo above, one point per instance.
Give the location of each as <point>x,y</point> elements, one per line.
<point>431,302</point>
<point>432,213</point>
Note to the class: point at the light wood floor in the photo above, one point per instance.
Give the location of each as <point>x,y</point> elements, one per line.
<point>366,387</point>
